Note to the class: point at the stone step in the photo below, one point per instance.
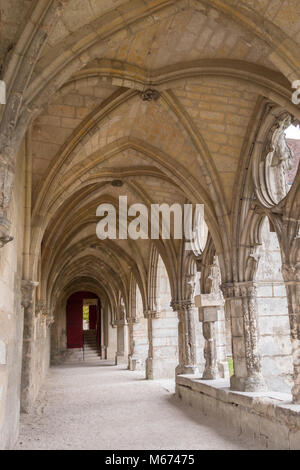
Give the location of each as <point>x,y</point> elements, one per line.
<point>92,352</point>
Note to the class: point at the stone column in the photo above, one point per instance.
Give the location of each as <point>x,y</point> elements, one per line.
<point>208,315</point>
<point>27,381</point>
<point>41,313</point>
<point>210,310</point>
<point>291,276</point>
<point>112,341</point>
<point>134,361</point>
<point>149,361</point>
<point>186,337</point>
<point>122,337</point>
<point>7,172</point>
<point>103,345</point>
<point>241,299</point>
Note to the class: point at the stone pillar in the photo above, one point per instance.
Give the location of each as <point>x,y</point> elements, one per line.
<point>210,309</point>
<point>122,337</point>
<point>186,337</point>
<point>135,361</point>
<point>103,345</point>
<point>7,172</point>
<point>291,276</point>
<point>149,361</point>
<point>112,341</point>
<point>208,316</point>
<point>241,299</point>
<point>27,381</point>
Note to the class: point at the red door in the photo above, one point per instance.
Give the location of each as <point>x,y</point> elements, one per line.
<point>93,317</point>
<point>74,322</point>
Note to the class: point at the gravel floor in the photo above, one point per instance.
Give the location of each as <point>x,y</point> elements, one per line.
<point>107,407</point>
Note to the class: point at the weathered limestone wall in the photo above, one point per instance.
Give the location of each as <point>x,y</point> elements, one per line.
<point>267,418</point>
<point>165,344</point>
<point>139,345</point>
<point>138,335</point>
<point>164,339</point>
<point>274,338</point>
<point>11,315</point>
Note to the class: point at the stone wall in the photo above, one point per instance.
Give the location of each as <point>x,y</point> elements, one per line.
<point>164,335</point>
<point>269,419</point>
<point>11,315</point>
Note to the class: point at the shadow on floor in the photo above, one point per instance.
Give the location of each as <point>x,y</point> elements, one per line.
<point>213,423</point>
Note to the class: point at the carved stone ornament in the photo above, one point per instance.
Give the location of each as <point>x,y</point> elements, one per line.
<point>149,95</point>
<point>277,161</point>
<point>41,308</point>
<point>154,314</point>
<point>27,290</point>
<point>4,231</point>
<point>6,187</point>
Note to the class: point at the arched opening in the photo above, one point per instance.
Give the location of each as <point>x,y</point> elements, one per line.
<point>77,334</point>
<point>274,330</point>
<point>162,330</point>
<point>292,135</point>
<point>83,316</point>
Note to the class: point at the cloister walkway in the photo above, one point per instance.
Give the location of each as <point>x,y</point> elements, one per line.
<point>107,407</point>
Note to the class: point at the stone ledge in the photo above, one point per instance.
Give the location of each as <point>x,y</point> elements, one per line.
<point>270,418</point>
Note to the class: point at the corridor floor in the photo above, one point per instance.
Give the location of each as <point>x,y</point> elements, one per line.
<point>107,407</point>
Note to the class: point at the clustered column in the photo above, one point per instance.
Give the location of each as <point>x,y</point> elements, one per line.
<point>28,303</point>
<point>186,337</point>
<point>292,280</point>
<point>241,300</point>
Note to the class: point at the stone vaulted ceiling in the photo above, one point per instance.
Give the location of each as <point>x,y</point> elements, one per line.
<point>213,64</point>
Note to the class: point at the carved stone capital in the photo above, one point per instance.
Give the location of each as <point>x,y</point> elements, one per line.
<point>7,173</point>
<point>121,322</point>
<point>291,272</point>
<point>50,320</point>
<point>239,290</point>
<point>149,95</point>
<point>27,291</point>
<point>133,320</point>
<point>181,305</point>
<point>152,314</point>
<point>41,308</point>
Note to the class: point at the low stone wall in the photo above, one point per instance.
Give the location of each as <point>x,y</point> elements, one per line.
<point>269,418</point>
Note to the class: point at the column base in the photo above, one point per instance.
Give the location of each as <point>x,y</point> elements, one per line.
<point>223,369</point>
<point>296,394</point>
<point>186,370</point>
<point>27,400</point>
<point>134,363</point>
<point>103,352</point>
<point>121,359</point>
<point>210,373</point>
<point>248,384</point>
